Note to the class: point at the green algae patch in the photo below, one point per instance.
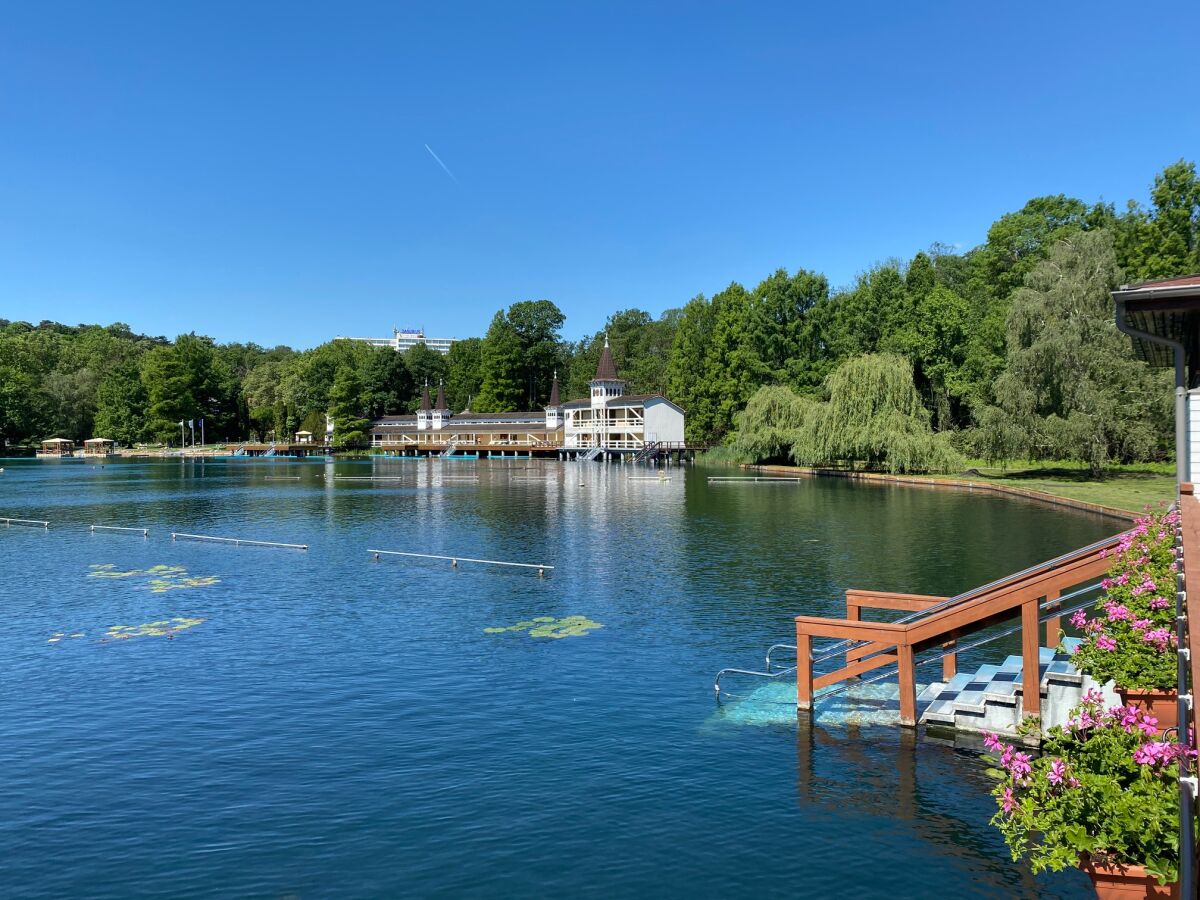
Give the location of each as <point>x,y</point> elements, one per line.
<point>167,628</point>
<point>158,579</point>
<point>550,627</point>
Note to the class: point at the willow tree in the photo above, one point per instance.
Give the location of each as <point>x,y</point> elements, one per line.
<point>773,421</point>
<point>1072,388</point>
<point>874,415</point>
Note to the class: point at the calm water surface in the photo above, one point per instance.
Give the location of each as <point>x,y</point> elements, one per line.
<point>343,727</point>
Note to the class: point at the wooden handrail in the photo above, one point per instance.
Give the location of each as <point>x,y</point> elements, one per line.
<point>884,643</point>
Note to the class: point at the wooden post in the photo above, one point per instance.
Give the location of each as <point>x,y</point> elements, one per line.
<point>854,614</point>
<point>908,685</point>
<point>804,672</point>
<point>950,662</point>
<point>1031,682</point>
<point>1053,624</point>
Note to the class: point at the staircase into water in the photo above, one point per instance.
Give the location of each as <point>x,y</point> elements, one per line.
<point>988,699</point>
<point>648,450</point>
<point>873,671</point>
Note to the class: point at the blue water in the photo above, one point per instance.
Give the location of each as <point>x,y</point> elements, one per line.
<point>338,726</point>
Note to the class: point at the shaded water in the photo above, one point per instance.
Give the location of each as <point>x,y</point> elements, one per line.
<point>343,727</point>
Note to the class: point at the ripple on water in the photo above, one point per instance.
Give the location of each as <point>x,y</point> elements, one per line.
<point>340,726</point>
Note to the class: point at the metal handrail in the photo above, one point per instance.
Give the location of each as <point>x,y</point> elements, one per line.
<point>775,647</point>
<point>963,649</point>
<point>827,652</point>
<point>723,672</point>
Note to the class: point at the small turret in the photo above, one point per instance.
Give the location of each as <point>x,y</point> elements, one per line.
<point>423,414</point>
<point>607,383</point>
<point>554,417</point>
<point>441,411</point>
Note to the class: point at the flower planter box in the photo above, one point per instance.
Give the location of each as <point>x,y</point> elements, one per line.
<point>1163,705</point>
<point>1118,882</point>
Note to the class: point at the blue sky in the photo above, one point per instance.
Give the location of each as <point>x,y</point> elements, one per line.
<point>258,171</point>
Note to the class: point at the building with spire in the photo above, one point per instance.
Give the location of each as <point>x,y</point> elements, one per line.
<point>608,420</point>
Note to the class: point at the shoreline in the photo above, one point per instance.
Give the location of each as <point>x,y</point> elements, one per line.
<point>958,484</point>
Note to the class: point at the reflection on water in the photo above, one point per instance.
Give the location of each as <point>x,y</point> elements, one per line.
<point>340,726</point>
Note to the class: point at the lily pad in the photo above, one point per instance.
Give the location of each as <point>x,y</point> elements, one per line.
<point>549,627</point>
<point>162,628</point>
<point>159,579</point>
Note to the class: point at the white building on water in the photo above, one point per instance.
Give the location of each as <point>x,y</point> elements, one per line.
<point>405,339</point>
<point>609,420</point>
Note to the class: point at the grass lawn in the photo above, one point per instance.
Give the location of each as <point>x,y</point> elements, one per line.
<point>1130,487</point>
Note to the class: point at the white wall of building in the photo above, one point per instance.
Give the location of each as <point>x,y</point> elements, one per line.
<point>1193,435</point>
<point>664,422</point>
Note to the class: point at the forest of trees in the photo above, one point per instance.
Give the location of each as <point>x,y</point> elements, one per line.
<point>1009,351</point>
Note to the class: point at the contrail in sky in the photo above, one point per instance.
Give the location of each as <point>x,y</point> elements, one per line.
<point>445,168</point>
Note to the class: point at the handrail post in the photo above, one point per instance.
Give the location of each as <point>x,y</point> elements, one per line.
<point>1053,624</point>
<point>804,669</point>
<point>908,684</point>
<point>1031,682</point>
<point>950,660</point>
<point>853,614</point>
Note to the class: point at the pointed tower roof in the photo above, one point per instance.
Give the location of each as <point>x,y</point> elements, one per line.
<point>606,369</point>
<point>554,401</point>
<point>425,405</point>
<point>441,397</point>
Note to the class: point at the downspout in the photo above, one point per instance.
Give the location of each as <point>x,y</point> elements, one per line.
<point>1182,472</point>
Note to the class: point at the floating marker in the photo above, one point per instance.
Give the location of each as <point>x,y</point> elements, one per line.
<point>455,560</point>
<point>749,479</point>
<point>144,532</point>
<point>176,535</point>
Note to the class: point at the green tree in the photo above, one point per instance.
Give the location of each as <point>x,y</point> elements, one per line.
<point>778,326</point>
<point>464,374</point>
<point>388,381</point>
<point>774,421</point>
<point>502,386</point>
<point>537,324</point>
<point>425,366</point>
<point>940,336</point>
<point>640,346</point>
<point>1163,242</point>
<point>121,401</point>
<point>1072,389</point>
<point>168,386</point>
<point>686,370</point>
<point>874,415</point>
<point>347,406</point>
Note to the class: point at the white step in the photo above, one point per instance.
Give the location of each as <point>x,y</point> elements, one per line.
<point>989,699</point>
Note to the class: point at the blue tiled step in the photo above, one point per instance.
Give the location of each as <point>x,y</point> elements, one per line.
<point>989,698</point>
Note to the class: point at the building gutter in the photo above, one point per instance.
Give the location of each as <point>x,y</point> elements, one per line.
<point>1182,467</point>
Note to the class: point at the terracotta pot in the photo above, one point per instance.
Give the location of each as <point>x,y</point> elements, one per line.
<point>1118,882</point>
<point>1163,705</point>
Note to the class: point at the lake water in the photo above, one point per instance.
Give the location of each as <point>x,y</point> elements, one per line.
<point>337,726</point>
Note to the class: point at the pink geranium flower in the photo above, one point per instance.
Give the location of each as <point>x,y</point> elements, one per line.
<point>1008,801</point>
<point>1057,773</point>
